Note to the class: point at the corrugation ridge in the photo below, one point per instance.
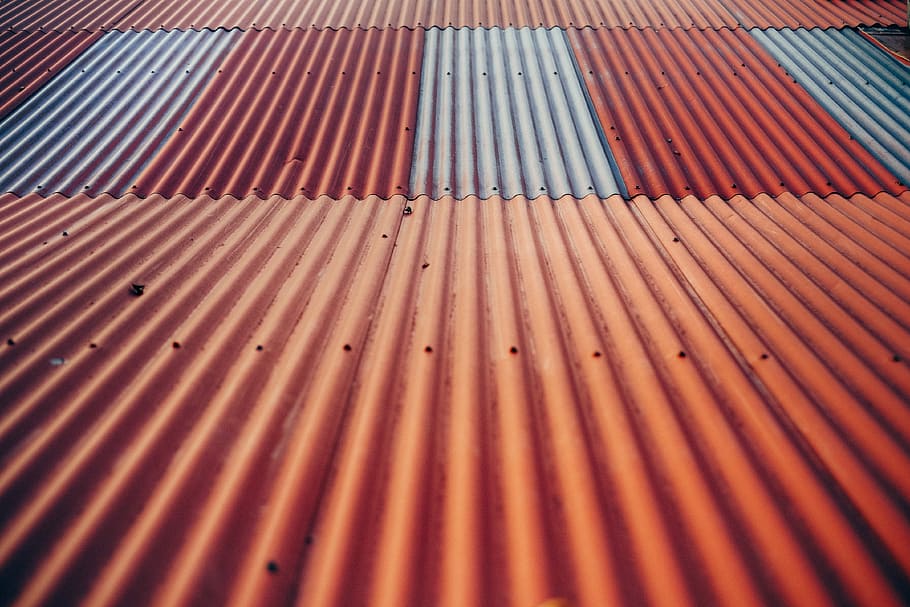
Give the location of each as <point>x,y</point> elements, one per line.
<point>105,127</point>
<point>880,458</point>
<point>58,16</point>
<point>786,403</point>
<point>198,286</point>
<point>753,131</point>
<point>875,118</point>
<point>530,133</point>
<point>213,153</point>
<point>328,15</point>
<point>41,55</point>
<point>788,13</point>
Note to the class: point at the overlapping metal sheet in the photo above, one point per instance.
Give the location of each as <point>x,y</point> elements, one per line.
<point>477,402</point>
<point>711,112</point>
<point>100,120</point>
<point>296,112</point>
<point>321,14</point>
<point>28,60</point>
<point>60,15</point>
<point>504,113</point>
<point>817,13</point>
<point>865,89</point>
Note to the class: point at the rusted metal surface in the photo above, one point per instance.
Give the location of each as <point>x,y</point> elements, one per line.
<point>712,112</point>
<point>817,13</point>
<point>455,402</point>
<point>61,15</point>
<point>321,14</point>
<point>295,112</point>
<point>28,60</point>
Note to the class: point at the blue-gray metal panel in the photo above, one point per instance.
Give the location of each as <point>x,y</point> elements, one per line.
<point>867,91</point>
<point>95,126</point>
<point>503,112</point>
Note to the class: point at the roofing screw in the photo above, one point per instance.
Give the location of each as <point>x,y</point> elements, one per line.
<point>272,567</point>
<point>675,239</point>
<point>93,346</point>
<point>65,233</point>
<point>597,354</point>
<point>347,347</point>
<point>176,345</point>
<point>385,235</point>
<point>137,289</point>
<point>513,350</point>
<point>428,349</point>
<point>10,342</point>
<point>764,356</point>
<point>259,348</point>
<point>425,265</point>
<point>407,211</point>
<point>896,358</point>
<point>681,354</point>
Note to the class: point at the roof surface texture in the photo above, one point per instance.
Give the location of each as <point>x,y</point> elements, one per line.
<point>453,303</point>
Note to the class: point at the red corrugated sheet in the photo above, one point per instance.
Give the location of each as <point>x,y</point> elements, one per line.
<point>818,13</point>
<point>477,402</point>
<point>428,13</point>
<point>711,112</point>
<point>60,15</point>
<point>28,60</point>
<point>295,112</point>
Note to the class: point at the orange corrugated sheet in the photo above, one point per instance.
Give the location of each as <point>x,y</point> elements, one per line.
<point>712,113</point>
<point>296,112</point>
<point>455,402</point>
<point>322,14</point>
<point>817,13</point>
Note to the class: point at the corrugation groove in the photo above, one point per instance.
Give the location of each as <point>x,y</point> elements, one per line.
<point>299,113</point>
<point>477,402</point>
<point>60,15</point>
<point>503,113</point>
<point>28,60</point>
<point>322,14</point>
<point>817,13</point>
<point>710,112</point>
<point>861,86</point>
<point>104,116</point>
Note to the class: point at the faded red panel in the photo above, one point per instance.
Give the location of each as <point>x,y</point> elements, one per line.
<point>480,402</point>
<point>710,112</point>
<point>60,15</point>
<point>295,112</point>
<point>28,60</point>
<point>321,14</point>
<point>818,13</point>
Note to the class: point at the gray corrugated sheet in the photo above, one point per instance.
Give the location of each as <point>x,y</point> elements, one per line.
<point>867,91</point>
<point>96,125</point>
<point>503,113</point>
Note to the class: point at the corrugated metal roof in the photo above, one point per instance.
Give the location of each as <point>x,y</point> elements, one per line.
<point>28,60</point>
<point>95,126</point>
<point>711,112</point>
<point>300,112</point>
<point>865,89</point>
<point>817,13</point>
<point>59,15</point>
<point>479,402</point>
<point>504,112</point>
<point>275,14</point>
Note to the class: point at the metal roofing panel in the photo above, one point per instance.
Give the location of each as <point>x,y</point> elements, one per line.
<point>293,111</point>
<point>865,89</point>
<point>711,112</point>
<point>99,121</point>
<point>274,14</point>
<point>504,112</point>
<point>28,60</point>
<point>817,13</point>
<point>59,15</point>
<point>479,402</point>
